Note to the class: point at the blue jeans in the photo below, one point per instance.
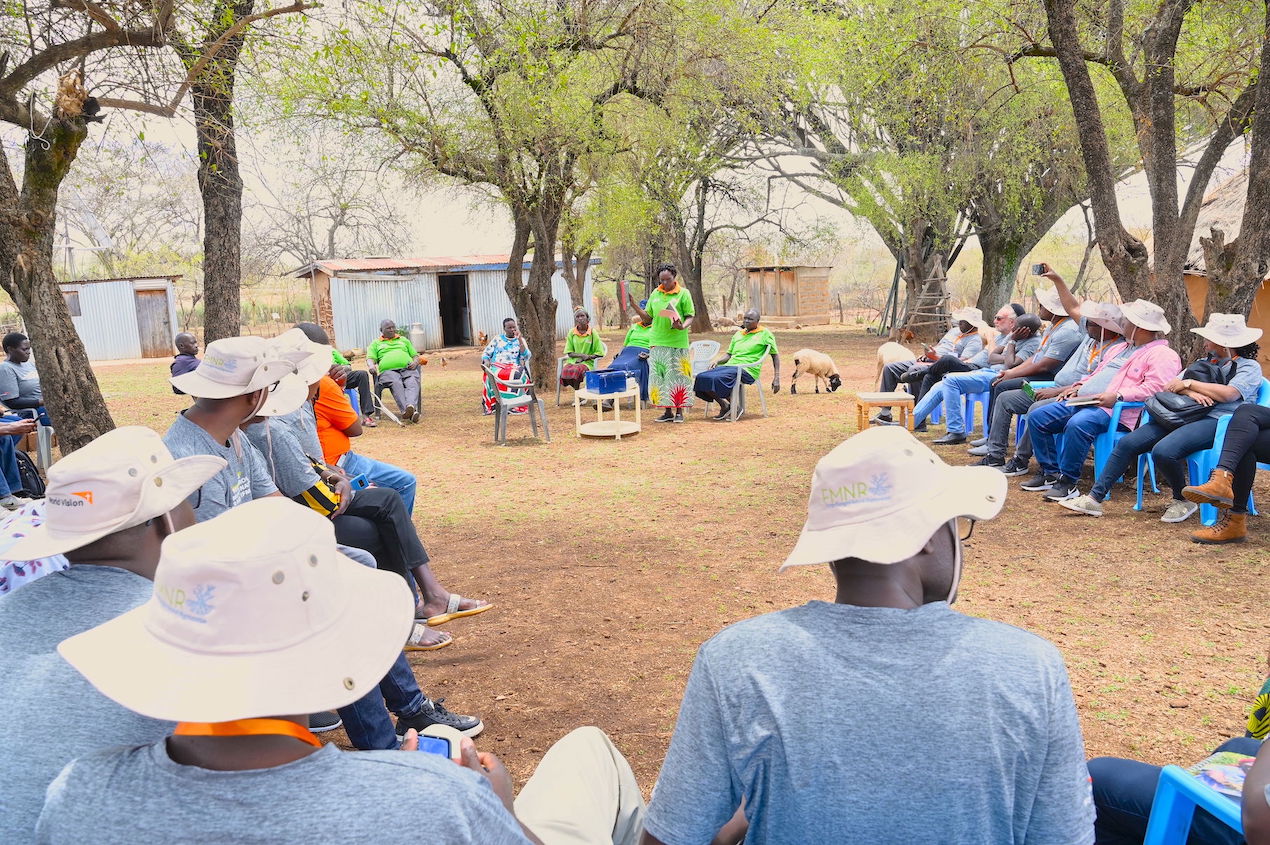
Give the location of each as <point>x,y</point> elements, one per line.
<point>1168,448</point>
<point>367,721</point>
<point>10,478</point>
<point>385,475</point>
<point>1124,790</point>
<point>949,391</point>
<point>1079,427</point>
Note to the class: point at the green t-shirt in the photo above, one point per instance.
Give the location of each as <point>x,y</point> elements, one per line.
<point>590,344</point>
<point>661,334</point>
<point>395,354</point>
<point>637,336</point>
<point>338,358</point>
<point>751,348</point>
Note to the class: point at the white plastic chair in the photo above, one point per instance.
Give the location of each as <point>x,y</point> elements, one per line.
<point>564,359</point>
<point>503,405</point>
<point>701,355</point>
<point>738,391</point>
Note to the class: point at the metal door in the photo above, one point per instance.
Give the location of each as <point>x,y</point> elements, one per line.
<point>153,324</point>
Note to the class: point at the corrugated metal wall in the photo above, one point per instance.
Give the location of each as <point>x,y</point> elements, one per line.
<point>108,321</point>
<point>359,302</point>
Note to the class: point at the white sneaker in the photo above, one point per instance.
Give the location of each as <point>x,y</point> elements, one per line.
<point>1083,504</point>
<point>1179,512</point>
<point>12,503</point>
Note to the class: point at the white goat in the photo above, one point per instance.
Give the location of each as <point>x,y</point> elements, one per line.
<point>816,364</point>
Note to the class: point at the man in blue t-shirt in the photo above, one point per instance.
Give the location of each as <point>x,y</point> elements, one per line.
<point>884,716</point>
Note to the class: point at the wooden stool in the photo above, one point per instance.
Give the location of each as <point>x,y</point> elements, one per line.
<point>898,399</point>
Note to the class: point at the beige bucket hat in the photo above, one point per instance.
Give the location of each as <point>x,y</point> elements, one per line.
<point>237,366</point>
<point>311,361</point>
<point>1146,315</point>
<point>970,314</point>
<point>119,480</point>
<point>1051,301</point>
<point>1103,313</point>
<point>1229,330</point>
<point>254,614</point>
<point>880,495</point>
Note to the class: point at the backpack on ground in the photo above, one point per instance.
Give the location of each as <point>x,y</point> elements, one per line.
<point>32,481</point>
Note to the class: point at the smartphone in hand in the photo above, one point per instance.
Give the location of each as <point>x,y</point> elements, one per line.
<point>1040,269</point>
<point>441,740</point>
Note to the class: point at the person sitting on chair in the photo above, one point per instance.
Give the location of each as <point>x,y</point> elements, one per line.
<point>186,360</point>
<point>394,363</point>
<point>1229,487</point>
<point>506,354</point>
<point>12,430</point>
<point>582,348</point>
<point>19,380</point>
<point>970,325</point>
<point>1148,365</point>
<point>750,345</point>
<point>633,357</point>
<point>350,379</point>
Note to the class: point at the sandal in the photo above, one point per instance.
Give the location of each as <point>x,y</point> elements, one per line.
<point>420,640</point>
<point>452,611</point>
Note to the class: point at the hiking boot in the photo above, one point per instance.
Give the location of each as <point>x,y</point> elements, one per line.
<point>1083,504</point>
<point>989,461</point>
<point>1216,491</point>
<point>1061,490</point>
<point>1039,482</point>
<point>1179,511</point>
<point>434,713</point>
<point>1014,466</point>
<point>979,451</point>
<point>324,721</point>
<point>668,416</point>
<point>1230,528</point>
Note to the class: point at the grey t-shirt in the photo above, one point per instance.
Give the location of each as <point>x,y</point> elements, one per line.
<point>244,479</point>
<point>19,381</point>
<point>968,345</point>
<point>140,796</point>
<point>286,460</point>
<point>52,714</point>
<point>876,725</point>
<point>1060,340</point>
<point>1084,360</point>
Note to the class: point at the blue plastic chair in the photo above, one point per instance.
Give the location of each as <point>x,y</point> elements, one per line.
<point>981,399</point>
<point>1105,442</point>
<point>1176,797</point>
<point>1020,420</point>
<point>354,400</point>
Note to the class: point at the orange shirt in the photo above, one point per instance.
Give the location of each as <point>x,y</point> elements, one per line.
<point>334,414</point>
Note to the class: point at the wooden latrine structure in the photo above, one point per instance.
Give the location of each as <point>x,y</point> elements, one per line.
<point>790,295</point>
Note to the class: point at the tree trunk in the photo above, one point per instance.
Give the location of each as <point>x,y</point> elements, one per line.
<point>1001,257</point>
<point>219,180</point>
<point>533,301</point>
<point>71,391</point>
<point>574,271</point>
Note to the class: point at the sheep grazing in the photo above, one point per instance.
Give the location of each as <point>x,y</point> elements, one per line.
<point>816,364</point>
<point>890,353</point>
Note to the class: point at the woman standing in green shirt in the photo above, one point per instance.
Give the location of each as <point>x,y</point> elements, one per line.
<point>582,348</point>
<point>670,367</point>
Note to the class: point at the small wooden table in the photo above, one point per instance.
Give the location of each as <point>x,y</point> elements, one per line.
<point>615,427</point>
<point>897,399</point>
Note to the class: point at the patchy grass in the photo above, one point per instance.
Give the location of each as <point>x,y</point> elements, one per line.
<point>611,562</point>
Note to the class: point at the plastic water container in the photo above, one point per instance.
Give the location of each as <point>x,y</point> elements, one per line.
<point>417,337</point>
<point>606,381</point>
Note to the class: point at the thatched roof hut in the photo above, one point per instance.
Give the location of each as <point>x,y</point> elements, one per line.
<point>1223,208</point>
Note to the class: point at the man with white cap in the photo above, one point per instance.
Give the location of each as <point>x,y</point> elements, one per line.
<point>969,321</point>
<point>108,507</point>
<point>884,716</point>
<point>1224,377</point>
<point>1101,322</point>
<point>1011,348</point>
<point>256,618</point>
<point>1148,365</point>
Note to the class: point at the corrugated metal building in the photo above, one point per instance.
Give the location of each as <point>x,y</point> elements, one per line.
<point>133,317</point>
<point>453,299</point>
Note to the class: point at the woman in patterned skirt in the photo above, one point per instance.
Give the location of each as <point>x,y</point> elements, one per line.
<point>669,365</point>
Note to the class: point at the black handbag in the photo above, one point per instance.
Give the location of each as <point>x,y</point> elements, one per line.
<point>1173,410</point>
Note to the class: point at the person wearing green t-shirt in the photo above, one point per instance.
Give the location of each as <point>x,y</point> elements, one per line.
<point>395,360</point>
<point>670,312</point>
<point>750,345</point>
<point>633,357</point>
<point>582,348</point>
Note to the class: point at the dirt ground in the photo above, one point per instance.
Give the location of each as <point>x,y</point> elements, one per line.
<point>611,562</point>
